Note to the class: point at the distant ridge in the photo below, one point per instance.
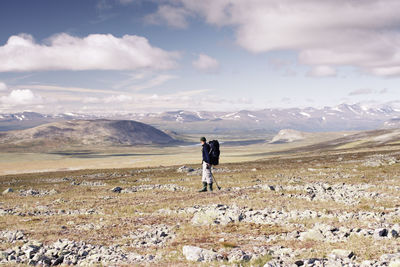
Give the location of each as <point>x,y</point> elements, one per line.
<point>344,117</point>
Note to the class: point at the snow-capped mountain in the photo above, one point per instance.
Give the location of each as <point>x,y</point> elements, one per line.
<point>24,120</point>
<point>338,118</point>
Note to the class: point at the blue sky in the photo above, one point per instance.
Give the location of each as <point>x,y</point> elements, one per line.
<point>114,56</point>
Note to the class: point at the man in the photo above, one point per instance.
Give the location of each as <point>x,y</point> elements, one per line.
<point>207,177</point>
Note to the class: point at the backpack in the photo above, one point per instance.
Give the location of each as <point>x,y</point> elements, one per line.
<point>214,152</point>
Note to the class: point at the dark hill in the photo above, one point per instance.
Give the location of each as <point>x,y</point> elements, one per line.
<point>87,133</point>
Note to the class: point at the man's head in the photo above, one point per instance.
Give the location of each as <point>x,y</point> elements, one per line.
<point>203,140</point>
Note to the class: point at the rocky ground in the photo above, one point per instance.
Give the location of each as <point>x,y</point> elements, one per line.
<point>331,209</point>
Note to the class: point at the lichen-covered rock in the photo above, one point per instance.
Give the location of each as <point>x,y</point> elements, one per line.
<point>193,253</point>
<point>312,234</point>
<point>8,190</point>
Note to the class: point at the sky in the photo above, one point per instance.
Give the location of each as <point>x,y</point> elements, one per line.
<point>121,56</point>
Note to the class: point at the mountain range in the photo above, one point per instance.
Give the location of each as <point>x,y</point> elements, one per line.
<point>343,117</point>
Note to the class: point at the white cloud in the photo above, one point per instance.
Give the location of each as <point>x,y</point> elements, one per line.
<point>93,52</point>
<point>172,16</point>
<point>143,80</point>
<point>118,99</point>
<point>113,99</point>
<point>206,64</point>
<point>364,34</point>
<point>362,91</point>
<point>153,82</point>
<point>90,99</point>
<point>93,101</point>
<point>3,86</point>
<point>20,97</point>
<point>322,71</point>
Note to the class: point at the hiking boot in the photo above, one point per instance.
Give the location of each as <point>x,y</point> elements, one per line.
<point>210,185</point>
<point>204,187</point>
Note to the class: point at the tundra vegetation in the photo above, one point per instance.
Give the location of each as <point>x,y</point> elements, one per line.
<point>302,208</point>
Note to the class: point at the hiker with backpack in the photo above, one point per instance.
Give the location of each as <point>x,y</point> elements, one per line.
<point>210,153</point>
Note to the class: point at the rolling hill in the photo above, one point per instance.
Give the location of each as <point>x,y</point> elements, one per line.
<point>361,140</point>
<point>84,133</point>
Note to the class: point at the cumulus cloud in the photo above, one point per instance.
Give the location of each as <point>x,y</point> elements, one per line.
<point>3,86</point>
<point>364,34</point>
<point>20,97</point>
<point>93,52</point>
<point>206,64</point>
<point>322,71</point>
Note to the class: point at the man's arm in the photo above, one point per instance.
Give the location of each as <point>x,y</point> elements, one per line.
<point>206,154</point>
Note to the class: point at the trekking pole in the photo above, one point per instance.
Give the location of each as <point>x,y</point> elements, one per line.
<point>219,188</point>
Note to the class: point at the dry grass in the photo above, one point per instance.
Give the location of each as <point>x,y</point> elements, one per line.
<point>120,214</point>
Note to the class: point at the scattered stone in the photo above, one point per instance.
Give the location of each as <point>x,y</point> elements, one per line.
<point>238,255</point>
<point>383,232</point>
<point>164,187</point>
<point>217,214</point>
<point>268,187</point>
<point>380,160</point>
<point>185,169</point>
<point>89,183</point>
<point>394,233</point>
<point>11,236</point>
<point>289,224</point>
<point>39,193</point>
<point>66,252</point>
<point>45,211</point>
<point>8,190</point>
<point>116,189</point>
<point>343,193</point>
<point>151,235</point>
<point>299,263</point>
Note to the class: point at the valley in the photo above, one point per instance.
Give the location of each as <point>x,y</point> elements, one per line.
<point>71,195</point>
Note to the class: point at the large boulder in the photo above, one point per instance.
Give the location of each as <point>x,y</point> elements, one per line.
<point>8,190</point>
<point>342,253</point>
<point>312,234</point>
<point>193,253</point>
<point>185,169</point>
<point>218,214</point>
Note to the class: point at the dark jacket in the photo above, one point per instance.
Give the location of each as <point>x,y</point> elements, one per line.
<point>206,152</point>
